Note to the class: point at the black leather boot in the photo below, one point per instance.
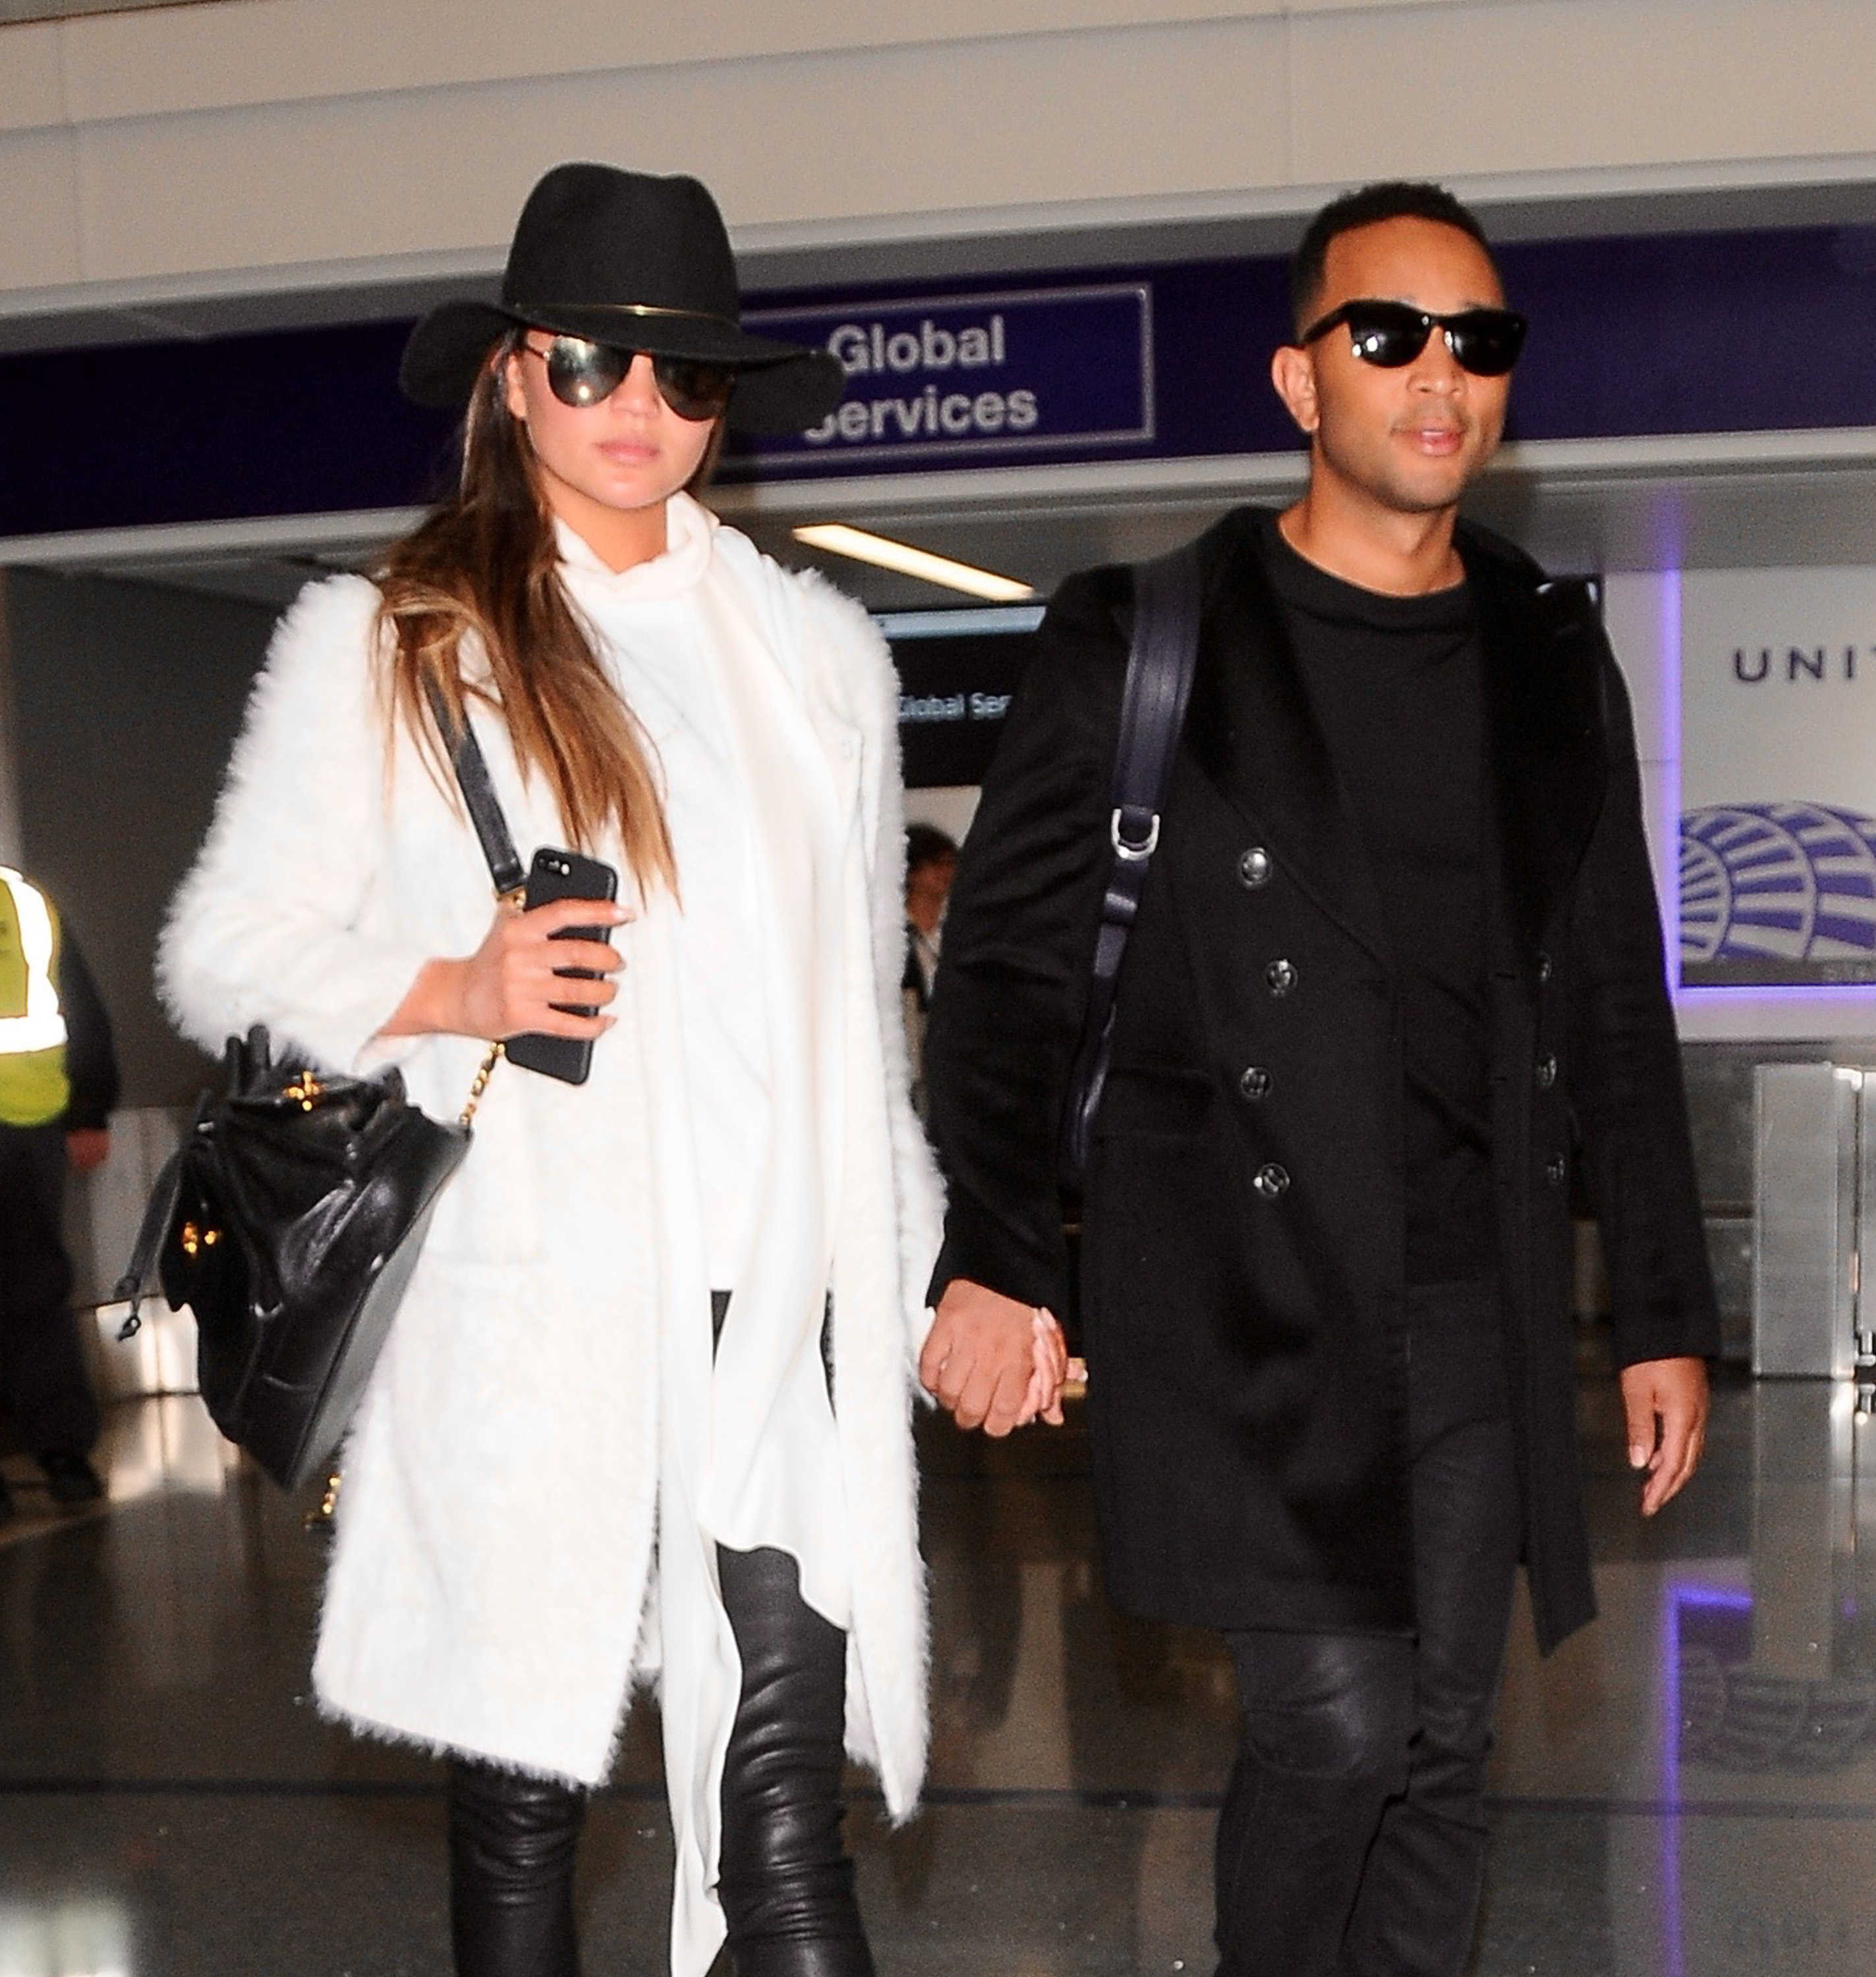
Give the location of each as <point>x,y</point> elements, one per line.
<point>512,1842</point>
<point>785,1881</point>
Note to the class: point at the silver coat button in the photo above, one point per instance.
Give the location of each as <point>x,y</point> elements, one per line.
<point>1254,868</point>
<point>1255,1083</point>
<point>1556,1169</point>
<point>1271,1180</point>
<point>1280,977</point>
<point>1547,1072</point>
<point>1544,967</point>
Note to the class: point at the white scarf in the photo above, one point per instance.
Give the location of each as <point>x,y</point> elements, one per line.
<point>749,1453</point>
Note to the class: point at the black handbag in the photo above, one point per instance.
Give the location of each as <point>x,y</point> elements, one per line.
<point>289,1222</point>
<point>292,1216</point>
<point>1161,658</point>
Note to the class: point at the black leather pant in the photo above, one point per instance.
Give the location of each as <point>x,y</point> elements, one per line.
<point>512,1842</point>
<point>1352,1840</point>
<point>785,1880</point>
<point>786,1884</point>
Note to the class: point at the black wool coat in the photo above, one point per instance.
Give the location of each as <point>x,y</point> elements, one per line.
<point>1243,1259</point>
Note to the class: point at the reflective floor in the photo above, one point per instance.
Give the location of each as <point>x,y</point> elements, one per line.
<point>1688,1789</point>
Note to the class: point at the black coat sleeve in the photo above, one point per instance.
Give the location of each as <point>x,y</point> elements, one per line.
<point>90,1060</point>
<point>1020,930</point>
<point>1626,1083</point>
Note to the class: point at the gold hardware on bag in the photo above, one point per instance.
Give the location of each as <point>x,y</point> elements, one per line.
<point>192,1239</point>
<point>484,1071</point>
<point>304,1089</point>
<point>328,1503</point>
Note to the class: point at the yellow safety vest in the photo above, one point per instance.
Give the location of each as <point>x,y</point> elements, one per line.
<point>33,1088</point>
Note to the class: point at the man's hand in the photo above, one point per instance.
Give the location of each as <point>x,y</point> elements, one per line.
<point>988,1363</point>
<point>86,1147</point>
<point>1666,1402</point>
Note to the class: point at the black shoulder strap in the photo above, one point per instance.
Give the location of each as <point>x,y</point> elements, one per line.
<point>1164,655</point>
<point>485,809</point>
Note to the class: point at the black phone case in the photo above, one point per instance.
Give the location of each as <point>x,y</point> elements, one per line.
<point>564,875</point>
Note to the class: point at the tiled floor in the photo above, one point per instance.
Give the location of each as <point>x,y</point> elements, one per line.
<point>1689,1790</point>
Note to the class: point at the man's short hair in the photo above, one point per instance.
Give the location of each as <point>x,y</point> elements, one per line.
<point>1391,199</point>
<point>925,844</point>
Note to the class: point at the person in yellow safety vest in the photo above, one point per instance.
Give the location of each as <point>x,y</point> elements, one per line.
<point>58,1081</point>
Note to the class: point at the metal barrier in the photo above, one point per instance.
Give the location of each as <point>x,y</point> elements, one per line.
<point>1815,1198</point>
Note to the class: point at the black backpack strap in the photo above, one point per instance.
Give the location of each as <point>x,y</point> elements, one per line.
<point>484,809</point>
<point>1164,655</point>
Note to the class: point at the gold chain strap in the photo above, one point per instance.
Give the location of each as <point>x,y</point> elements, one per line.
<point>514,899</point>
<point>484,1072</point>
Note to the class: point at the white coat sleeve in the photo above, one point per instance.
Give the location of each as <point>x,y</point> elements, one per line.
<point>266,928</point>
<point>916,1177</point>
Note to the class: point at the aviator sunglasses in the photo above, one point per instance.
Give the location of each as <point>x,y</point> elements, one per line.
<point>583,374</point>
<point>1389,336</point>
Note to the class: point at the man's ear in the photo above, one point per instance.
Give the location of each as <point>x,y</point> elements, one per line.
<point>1292,372</point>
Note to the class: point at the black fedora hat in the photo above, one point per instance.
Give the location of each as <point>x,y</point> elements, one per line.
<point>640,262</point>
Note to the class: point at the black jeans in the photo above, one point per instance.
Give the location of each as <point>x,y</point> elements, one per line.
<point>1352,1840</point>
<point>42,1374</point>
<point>786,1882</point>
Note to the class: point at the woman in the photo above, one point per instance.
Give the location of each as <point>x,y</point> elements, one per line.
<point>645,1407</point>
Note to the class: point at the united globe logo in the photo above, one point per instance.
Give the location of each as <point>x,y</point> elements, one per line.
<point>1777,893</point>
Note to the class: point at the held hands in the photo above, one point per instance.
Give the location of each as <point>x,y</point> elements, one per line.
<point>508,987</point>
<point>1666,1402</point>
<point>992,1362</point>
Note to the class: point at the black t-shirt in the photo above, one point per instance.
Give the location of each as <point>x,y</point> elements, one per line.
<point>1395,683</point>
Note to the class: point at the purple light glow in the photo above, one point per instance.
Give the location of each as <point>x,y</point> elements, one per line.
<point>1668,741</point>
<point>1680,1595</point>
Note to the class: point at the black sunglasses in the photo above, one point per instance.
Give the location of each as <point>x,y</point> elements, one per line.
<point>1389,336</point>
<point>583,374</point>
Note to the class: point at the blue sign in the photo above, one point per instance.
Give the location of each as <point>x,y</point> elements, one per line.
<point>969,376</point>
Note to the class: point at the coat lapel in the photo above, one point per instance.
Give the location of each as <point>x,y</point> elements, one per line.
<point>1546,754</point>
<point>1255,735</point>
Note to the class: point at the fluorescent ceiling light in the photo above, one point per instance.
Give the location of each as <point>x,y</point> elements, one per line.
<point>841,540</point>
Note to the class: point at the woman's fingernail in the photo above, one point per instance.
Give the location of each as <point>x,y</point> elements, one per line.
<point>1637,1455</point>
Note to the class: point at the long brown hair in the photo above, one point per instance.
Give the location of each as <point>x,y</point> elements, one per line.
<point>485,563</point>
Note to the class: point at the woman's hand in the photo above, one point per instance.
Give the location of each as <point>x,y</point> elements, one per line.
<point>508,987</point>
<point>1048,1372</point>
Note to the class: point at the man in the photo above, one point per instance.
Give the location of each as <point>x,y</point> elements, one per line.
<point>931,865</point>
<point>1397,969</point>
<point>58,1081</point>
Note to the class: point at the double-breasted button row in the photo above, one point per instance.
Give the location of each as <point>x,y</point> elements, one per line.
<point>1271,1180</point>
<point>1547,1071</point>
<point>1280,977</point>
<point>1254,1083</point>
<point>1255,867</point>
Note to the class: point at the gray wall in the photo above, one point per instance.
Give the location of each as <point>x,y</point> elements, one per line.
<point>124,700</point>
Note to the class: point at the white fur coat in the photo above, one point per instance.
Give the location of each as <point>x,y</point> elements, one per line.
<point>493,1587</point>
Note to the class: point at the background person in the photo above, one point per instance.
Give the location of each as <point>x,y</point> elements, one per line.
<point>58,1082</point>
<point>1397,967</point>
<point>931,865</point>
<point>646,1406</point>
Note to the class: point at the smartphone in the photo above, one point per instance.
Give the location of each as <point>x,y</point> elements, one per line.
<point>565,874</point>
